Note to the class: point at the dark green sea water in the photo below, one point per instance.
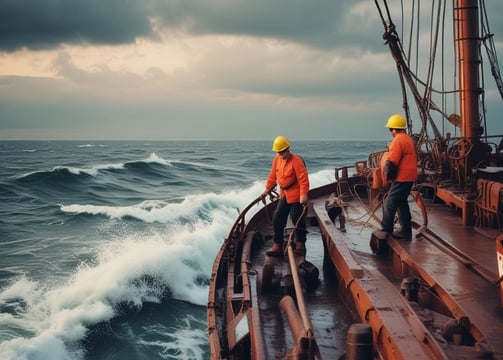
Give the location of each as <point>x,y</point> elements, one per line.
<point>107,247</point>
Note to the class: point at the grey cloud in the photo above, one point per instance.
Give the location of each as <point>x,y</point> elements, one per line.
<point>317,23</point>
<point>303,21</point>
<point>44,24</point>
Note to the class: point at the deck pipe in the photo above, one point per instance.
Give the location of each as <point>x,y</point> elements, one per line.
<point>299,333</point>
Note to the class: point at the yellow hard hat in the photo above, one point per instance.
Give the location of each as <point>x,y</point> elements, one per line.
<point>281,143</point>
<point>396,121</point>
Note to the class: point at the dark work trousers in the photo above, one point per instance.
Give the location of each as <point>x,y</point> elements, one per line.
<point>280,218</point>
<point>396,201</point>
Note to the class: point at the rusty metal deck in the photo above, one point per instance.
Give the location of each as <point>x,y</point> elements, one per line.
<point>461,260</point>
<point>456,264</point>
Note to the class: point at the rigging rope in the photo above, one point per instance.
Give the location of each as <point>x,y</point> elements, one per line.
<point>488,42</point>
<point>435,152</point>
<point>393,41</point>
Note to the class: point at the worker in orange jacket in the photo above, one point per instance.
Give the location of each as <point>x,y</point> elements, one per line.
<point>289,172</point>
<point>400,169</point>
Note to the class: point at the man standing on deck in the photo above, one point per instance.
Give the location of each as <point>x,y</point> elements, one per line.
<point>289,172</point>
<point>400,168</point>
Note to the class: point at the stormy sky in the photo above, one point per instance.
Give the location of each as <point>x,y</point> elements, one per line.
<point>205,70</point>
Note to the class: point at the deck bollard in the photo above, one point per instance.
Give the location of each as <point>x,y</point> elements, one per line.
<point>409,288</point>
<point>359,342</point>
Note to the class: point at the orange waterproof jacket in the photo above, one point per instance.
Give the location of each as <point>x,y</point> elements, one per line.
<point>291,177</point>
<point>402,153</point>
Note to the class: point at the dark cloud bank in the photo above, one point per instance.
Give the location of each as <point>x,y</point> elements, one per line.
<point>45,24</point>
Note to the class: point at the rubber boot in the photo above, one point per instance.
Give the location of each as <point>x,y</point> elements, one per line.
<point>300,248</point>
<point>403,234</point>
<point>275,250</point>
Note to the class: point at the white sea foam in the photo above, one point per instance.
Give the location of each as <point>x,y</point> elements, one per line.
<point>192,207</point>
<point>130,269</point>
<point>162,211</point>
<point>184,343</point>
<point>320,178</point>
<point>93,171</point>
<point>86,145</point>
<point>154,158</point>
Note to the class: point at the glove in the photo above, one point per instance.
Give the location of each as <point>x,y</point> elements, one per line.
<point>390,170</point>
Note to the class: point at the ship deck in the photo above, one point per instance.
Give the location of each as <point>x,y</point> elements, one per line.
<point>458,259</point>
<point>463,260</point>
<point>458,314</point>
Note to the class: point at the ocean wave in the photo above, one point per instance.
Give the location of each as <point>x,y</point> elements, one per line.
<point>197,206</point>
<point>184,343</point>
<point>147,167</point>
<point>191,208</point>
<point>69,170</point>
<point>147,211</point>
<point>154,158</point>
<point>130,271</point>
<point>117,268</point>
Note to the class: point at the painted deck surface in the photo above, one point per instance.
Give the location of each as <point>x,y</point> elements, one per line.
<point>477,297</point>
<point>458,262</point>
<point>469,275</point>
<point>329,314</point>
